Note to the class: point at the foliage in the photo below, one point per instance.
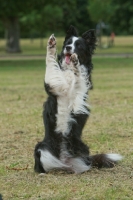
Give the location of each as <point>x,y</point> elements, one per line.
<point>84,21</point>
<point>117,13</point>
<point>101,10</point>
<point>12,8</point>
<point>70,13</point>
<point>1,30</point>
<point>40,21</point>
<point>39,17</point>
<point>122,20</point>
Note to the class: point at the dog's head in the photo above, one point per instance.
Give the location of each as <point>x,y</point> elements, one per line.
<point>83,46</point>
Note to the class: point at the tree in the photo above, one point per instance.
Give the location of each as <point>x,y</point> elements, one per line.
<point>10,12</point>
<point>101,10</point>
<point>41,20</point>
<point>84,21</point>
<point>70,12</point>
<point>122,20</point>
<point>117,13</point>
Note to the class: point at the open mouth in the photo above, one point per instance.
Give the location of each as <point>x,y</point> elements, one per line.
<point>67,58</point>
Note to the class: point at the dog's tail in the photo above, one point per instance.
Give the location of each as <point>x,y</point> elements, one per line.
<point>105,160</point>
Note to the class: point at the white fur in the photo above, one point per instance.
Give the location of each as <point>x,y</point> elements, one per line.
<point>64,65</point>
<point>50,162</point>
<point>54,77</point>
<point>81,93</point>
<point>114,157</point>
<point>63,117</point>
<point>64,105</point>
<point>73,101</point>
<point>70,89</point>
<point>71,45</point>
<point>76,165</point>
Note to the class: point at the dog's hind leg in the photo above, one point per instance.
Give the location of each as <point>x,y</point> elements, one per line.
<point>49,161</point>
<point>38,165</point>
<point>78,165</point>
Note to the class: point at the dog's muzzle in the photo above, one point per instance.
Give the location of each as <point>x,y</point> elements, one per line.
<point>68,54</point>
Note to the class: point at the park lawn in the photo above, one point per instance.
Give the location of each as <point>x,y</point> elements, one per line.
<point>122,44</point>
<point>109,129</point>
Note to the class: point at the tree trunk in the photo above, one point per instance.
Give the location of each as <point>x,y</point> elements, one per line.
<point>12,35</point>
<point>41,42</point>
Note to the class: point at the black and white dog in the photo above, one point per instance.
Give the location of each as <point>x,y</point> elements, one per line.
<point>66,110</point>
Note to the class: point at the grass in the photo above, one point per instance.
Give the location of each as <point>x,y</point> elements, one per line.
<point>123,44</point>
<point>109,129</point>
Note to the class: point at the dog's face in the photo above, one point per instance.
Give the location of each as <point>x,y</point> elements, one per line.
<point>82,46</point>
<point>74,45</point>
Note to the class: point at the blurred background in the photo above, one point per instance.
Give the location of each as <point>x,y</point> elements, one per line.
<point>25,25</point>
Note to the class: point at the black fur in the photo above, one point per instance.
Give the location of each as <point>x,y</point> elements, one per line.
<point>84,48</point>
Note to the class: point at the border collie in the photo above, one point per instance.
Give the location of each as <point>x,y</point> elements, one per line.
<point>66,110</point>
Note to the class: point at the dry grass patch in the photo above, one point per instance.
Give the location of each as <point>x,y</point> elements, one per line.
<point>109,129</point>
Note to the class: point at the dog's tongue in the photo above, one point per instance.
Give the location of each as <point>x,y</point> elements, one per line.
<point>67,59</point>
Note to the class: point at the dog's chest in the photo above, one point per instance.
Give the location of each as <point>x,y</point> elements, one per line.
<point>72,102</point>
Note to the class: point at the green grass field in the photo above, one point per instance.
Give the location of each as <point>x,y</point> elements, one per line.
<point>109,129</point>
<point>122,44</point>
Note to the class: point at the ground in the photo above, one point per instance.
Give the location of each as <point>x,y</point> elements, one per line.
<point>122,45</point>
<point>109,129</point>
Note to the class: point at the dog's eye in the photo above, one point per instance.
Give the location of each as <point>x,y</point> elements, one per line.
<point>69,42</point>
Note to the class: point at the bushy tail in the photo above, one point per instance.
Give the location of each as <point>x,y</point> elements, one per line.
<point>105,160</point>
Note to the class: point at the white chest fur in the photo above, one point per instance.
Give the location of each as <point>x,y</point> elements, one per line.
<point>72,101</point>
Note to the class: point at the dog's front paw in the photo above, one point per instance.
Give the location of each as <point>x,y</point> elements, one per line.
<point>52,41</point>
<point>74,59</point>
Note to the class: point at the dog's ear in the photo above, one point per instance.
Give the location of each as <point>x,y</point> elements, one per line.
<point>89,36</point>
<point>71,32</point>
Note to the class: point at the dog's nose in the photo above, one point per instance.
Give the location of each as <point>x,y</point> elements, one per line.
<point>68,48</point>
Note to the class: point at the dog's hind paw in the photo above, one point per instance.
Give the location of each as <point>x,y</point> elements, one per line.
<point>52,41</point>
<point>41,174</point>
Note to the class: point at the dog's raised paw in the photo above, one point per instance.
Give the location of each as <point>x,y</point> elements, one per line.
<point>74,59</point>
<point>52,41</point>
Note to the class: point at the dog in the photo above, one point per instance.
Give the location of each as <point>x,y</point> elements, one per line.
<point>66,111</point>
